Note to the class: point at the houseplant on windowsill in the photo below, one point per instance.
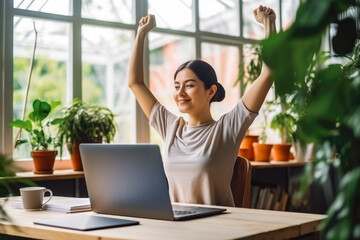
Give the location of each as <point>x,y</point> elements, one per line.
<point>84,123</point>
<point>42,143</point>
<point>284,123</point>
<point>262,150</point>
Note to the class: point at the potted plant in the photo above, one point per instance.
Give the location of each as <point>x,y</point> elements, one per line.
<point>331,119</point>
<point>84,123</point>
<point>284,123</point>
<point>42,143</point>
<point>262,150</point>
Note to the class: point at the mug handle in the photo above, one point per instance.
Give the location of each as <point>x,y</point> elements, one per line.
<point>49,197</point>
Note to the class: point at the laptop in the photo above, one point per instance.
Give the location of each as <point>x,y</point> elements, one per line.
<point>129,180</point>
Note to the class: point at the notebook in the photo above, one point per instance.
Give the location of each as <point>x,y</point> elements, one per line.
<point>85,222</point>
<point>129,180</point>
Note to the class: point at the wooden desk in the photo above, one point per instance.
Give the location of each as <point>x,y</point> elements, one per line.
<point>237,223</point>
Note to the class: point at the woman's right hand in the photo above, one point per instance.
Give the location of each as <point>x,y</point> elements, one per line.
<point>146,24</point>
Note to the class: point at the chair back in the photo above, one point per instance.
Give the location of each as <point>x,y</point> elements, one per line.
<point>241,182</point>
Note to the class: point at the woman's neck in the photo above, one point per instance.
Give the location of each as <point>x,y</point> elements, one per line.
<point>198,119</point>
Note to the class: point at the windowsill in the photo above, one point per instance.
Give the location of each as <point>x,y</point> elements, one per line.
<point>28,166</point>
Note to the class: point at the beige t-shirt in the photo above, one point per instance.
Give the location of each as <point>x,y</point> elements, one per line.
<point>199,160</point>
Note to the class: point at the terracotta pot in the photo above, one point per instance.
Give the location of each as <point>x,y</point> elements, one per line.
<point>243,152</point>
<point>281,152</point>
<point>43,161</point>
<point>74,151</point>
<point>262,152</point>
<point>247,143</point>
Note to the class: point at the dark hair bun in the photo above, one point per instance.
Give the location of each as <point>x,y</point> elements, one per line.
<point>219,95</point>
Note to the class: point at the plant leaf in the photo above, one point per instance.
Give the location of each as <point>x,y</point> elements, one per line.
<point>41,110</point>
<point>22,124</point>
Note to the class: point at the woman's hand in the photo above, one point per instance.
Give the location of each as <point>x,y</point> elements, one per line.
<point>263,13</point>
<point>146,24</point>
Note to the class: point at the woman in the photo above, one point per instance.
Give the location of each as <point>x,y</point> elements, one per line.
<point>199,154</point>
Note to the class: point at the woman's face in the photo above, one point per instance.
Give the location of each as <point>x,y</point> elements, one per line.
<point>190,94</point>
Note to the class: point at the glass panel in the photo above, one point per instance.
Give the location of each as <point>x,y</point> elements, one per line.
<point>48,81</point>
<point>225,60</point>
<point>252,29</point>
<point>167,52</point>
<point>108,10</point>
<point>219,16</point>
<point>48,6</point>
<point>289,8</point>
<point>105,56</point>
<point>174,14</point>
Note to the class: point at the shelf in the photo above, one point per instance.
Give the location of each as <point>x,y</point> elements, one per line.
<point>274,164</point>
<point>57,175</point>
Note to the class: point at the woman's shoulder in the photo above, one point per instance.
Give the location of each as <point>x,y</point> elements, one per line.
<point>238,111</point>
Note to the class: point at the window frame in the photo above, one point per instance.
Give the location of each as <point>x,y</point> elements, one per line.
<point>74,74</point>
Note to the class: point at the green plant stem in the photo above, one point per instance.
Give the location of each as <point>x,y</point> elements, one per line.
<point>28,83</point>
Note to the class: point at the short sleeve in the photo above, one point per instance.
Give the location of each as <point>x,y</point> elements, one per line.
<point>161,119</point>
<point>239,119</point>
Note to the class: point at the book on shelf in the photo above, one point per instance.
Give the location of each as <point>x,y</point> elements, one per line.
<point>68,205</point>
<point>269,198</point>
<point>283,201</point>
<point>254,195</point>
<point>261,199</point>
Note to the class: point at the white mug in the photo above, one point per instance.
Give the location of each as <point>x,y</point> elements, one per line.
<point>33,197</point>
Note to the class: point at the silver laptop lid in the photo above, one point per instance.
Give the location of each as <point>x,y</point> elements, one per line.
<point>126,179</point>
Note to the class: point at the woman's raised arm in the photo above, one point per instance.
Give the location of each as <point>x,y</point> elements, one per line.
<point>256,94</point>
<point>136,83</point>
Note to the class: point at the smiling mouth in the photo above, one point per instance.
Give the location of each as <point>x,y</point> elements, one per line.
<point>181,101</point>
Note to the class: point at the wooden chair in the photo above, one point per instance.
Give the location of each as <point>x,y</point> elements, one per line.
<point>241,182</point>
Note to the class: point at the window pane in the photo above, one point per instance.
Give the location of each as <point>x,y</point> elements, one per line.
<point>252,29</point>
<point>225,61</point>
<point>108,10</point>
<point>48,6</point>
<point>48,81</point>
<point>174,14</point>
<point>289,8</point>
<point>167,52</point>
<point>219,16</point>
<point>105,56</point>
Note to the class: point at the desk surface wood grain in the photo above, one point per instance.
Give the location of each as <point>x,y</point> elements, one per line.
<point>236,223</point>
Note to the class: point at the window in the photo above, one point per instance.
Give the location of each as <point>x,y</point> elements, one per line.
<point>83,50</point>
<point>105,56</point>
<point>220,16</point>
<point>49,73</point>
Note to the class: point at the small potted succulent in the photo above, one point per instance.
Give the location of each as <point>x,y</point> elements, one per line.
<point>85,123</point>
<point>39,135</point>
